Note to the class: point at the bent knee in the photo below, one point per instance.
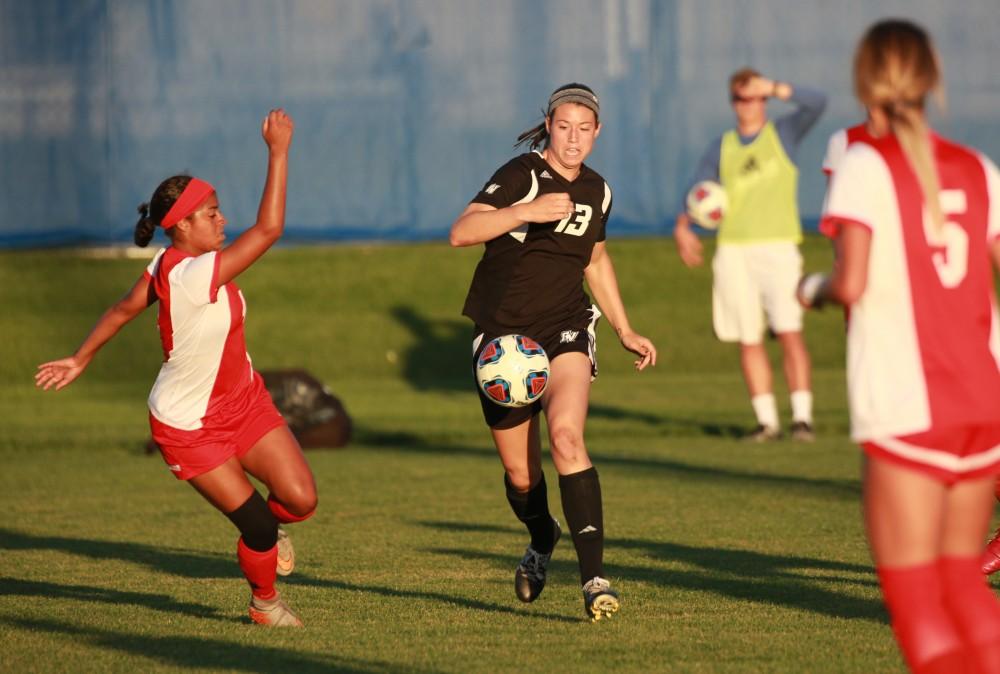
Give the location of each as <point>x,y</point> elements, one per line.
<point>299,499</point>
<point>304,503</point>
<point>567,443</point>
<point>522,478</point>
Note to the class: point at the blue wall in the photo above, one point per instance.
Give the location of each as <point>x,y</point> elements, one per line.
<point>403,108</point>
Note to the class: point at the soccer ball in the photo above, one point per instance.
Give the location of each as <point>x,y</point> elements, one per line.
<point>512,370</point>
<point>707,203</point>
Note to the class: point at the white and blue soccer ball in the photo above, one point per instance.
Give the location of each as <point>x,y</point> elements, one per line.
<point>512,370</point>
<point>707,203</point>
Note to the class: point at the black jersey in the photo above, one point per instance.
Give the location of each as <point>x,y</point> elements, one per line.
<point>532,277</point>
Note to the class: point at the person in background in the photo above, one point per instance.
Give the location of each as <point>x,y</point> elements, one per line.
<point>757,262</point>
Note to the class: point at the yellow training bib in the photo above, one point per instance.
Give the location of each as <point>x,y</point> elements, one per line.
<point>761,183</point>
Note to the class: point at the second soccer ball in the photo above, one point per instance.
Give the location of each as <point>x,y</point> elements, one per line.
<point>707,203</point>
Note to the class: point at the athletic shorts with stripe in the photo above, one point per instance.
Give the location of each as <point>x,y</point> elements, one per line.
<point>948,455</point>
<point>191,453</point>
<point>579,336</point>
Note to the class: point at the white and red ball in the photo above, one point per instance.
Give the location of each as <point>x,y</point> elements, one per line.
<point>512,370</point>
<point>707,203</point>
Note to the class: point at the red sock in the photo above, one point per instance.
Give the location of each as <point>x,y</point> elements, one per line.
<point>282,513</point>
<point>260,569</point>
<point>974,609</point>
<point>925,631</point>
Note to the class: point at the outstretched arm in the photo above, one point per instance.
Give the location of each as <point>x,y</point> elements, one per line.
<point>277,131</point>
<point>603,282</point>
<point>61,373</point>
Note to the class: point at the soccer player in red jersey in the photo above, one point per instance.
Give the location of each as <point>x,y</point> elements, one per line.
<point>917,218</point>
<point>209,411</point>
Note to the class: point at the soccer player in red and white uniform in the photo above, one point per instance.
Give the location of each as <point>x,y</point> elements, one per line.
<point>917,219</point>
<point>209,411</point>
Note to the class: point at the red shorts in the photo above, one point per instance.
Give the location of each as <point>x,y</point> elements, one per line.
<point>945,454</point>
<point>191,453</point>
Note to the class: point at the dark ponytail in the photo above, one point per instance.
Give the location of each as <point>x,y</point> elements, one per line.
<point>152,213</point>
<point>145,228</point>
<point>534,137</point>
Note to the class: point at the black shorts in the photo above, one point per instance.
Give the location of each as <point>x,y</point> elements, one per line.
<point>579,336</point>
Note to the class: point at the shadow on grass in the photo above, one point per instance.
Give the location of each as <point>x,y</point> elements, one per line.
<point>841,489</point>
<point>424,595</point>
<point>790,581</point>
<point>196,566</point>
<point>439,359</point>
<point>17,587</point>
<point>441,353</point>
<point>178,562</point>
<point>201,652</point>
<point>669,426</point>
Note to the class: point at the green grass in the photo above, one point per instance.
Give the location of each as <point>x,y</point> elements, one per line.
<point>729,557</point>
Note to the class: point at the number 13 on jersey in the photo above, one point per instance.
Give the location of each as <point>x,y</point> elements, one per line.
<point>576,223</point>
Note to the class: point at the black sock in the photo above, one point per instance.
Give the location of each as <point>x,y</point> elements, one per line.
<point>532,508</point>
<point>257,524</point>
<point>581,501</point>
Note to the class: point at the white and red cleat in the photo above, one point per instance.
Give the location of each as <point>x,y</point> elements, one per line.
<point>273,612</point>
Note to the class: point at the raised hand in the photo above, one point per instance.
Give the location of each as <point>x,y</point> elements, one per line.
<point>277,130</point>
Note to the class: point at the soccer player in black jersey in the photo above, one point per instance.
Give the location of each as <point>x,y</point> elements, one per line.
<point>542,217</point>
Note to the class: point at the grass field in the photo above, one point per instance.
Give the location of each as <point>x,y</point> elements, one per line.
<point>730,557</point>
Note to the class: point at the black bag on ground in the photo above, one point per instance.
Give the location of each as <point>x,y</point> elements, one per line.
<point>315,416</point>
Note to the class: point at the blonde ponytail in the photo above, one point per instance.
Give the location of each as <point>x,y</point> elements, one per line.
<point>914,135</point>
<point>895,68</point>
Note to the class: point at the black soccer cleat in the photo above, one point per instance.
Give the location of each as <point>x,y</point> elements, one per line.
<point>529,579</point>
<point>599,600</point>
<point>802,431</point>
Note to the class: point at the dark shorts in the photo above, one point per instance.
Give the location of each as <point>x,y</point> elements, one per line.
<point>579,336</point>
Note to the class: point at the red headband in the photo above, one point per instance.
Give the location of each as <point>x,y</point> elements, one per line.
<point>189,200</point>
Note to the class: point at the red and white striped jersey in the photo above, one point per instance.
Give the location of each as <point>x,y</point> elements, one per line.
<point>923,340</point>
<point>839,141</point>
<point>206,371</point>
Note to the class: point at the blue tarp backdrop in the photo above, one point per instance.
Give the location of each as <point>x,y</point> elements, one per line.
<point>403,108</point>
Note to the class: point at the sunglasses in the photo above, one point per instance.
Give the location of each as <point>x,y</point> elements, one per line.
<point>736,98</point>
